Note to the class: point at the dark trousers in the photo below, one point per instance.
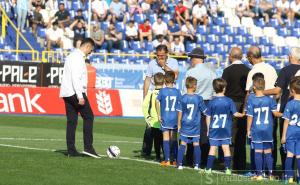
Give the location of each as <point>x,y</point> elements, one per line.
<point>238,147</point>
<point>72,110</point>
<point>152,134</point>
<point>204,144</point>
<point>278,122</point>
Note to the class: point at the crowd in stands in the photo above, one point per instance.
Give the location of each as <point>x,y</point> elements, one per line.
<point>145,22</point>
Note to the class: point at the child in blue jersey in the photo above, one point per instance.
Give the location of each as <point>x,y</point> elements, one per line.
<point>291,130</point>
<point>166,105</point>
<point>219,123</point>
<point>252,151</point>
<point>189,121</point>
<point>260,126</point>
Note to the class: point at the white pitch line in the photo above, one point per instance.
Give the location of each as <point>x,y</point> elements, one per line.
<point>50,139</point>
<point>27,148</point>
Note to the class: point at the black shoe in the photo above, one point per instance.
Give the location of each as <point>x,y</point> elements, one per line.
<point>74,154</point>
<point>91,152</point>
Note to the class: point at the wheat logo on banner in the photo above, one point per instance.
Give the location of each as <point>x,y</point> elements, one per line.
<point>104,102</point>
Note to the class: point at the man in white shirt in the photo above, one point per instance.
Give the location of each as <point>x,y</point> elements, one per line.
<point>282,10</point>
<point>54,36</point>
<point>177,47</point>
<point>99,9</point>
<point>295,10</point>
<point>199,14</point>
<point>159,27</point>
<point>131,31</point>
<point>73,91</point>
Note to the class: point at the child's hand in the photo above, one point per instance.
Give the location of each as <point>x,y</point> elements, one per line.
<point>178,129</point>
<point>159,119</point>
<point>283,140</point>
<point>248,134</point>
<point>148,120</point>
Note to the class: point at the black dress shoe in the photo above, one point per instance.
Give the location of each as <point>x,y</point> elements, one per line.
<point>91,152</point>
<point>74,154</point>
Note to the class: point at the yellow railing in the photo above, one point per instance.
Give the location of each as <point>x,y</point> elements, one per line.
<point>4,21</point>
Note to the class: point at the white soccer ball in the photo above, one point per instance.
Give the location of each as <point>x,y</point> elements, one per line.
<point>113,151</point>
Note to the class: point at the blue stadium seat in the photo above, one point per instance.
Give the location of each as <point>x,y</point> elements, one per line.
<point>104,25</point>
<point>238,39</point>
<point>245,48</point>
<point>152,18</point>
<point>215,30</point>
<point>295,32</point>
<point>220,21</point>
<point>110,60</point>
<point>251,40</point>
<point>283,32</point>
<point>225,39</point>
<point>276,51</point>
<point>297,23</point>
<point>120,26</point>
<point>125,45</point>
<point>190,46</point>
<point>264,50</point>
<point>274,23</point>
<point>260,22</point>
<point>147,57</point>
<point>117,55</point>
<point>229,30</point>
<point>207,49</point>
<point>139,18</point>
<point>265,41</point>
<point>200,38</point>
<point>220,49</point>
<point>136,45</point>
<point>149,46</point>
<point>132,58</point>
<point>41,32</point>
<point>211,39</point>
<point>285,50</point>
<point>166,18</point>
<point>76,5</point>
<point>242,31</point>
<point>201,30</point>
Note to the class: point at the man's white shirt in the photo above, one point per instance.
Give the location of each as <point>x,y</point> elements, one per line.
<point>74,80</point>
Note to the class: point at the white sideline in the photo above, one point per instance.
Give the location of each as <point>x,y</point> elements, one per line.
<point>50,139</point>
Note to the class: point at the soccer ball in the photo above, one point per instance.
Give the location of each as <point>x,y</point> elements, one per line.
<point>113,151</point>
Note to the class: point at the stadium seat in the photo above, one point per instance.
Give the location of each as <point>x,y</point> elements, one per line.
<point>285,50</point>
<point>41,32</point>
<point>76,5</point>
<point>265,41</point>
<point>120,26</point>
<point>224,39</point>
<point>256,31</point>
<point>247,22</point>
<point>220,21</point>
<point>251,40</point>
<point>136,45</point>
<point>152,18</point>
<point>292,41</point>
<point>283,32</point>
<point>211,39</point>
<point>269,31</point>
<point>125,46</point>
<point>242,31</point>
<point>274,50</point>
<point>215,30</point>
<point>234,21</point>
<point>297,23</point>
<point>229,30</point>
<point>146,58</point>
<point>279,41</point>
<point>274,23</point>
<point>200,38</point>
<point>201,29</point>
<point>260,22</point>
<point>132,57</point>
<point>190,46</point>
<point>264,50</point>
<point>149,47</point>
<point>139,18</point>
<point>295,32</point>
<point>238,39</point>
<point>207,49</point>
<point>104,25</point>
<point>220,49</point>
<point>166,18</point>
<point>245,47</point>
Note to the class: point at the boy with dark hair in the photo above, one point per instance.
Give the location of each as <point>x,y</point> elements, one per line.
<point>166,105</point>
<point>151,116</point>
<point>260,126</point>
<point>189,117</point>
<point>219,123</point>
<point>291,130</point>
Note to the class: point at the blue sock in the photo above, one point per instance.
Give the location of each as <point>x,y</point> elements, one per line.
<point>197,155</point>
<point>258,163</point>
<point>174,149</point>
<point>288,167</point>
<point>227,162</point>
<point>269,162</point>
<point>298,166</point>
<point>180,155</point>
<point>166,145</point>
<point>210,161</point>
<point>252,160</point>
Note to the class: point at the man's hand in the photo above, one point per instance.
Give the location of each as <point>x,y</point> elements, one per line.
<point>81,101</point>
<point>283,140</point>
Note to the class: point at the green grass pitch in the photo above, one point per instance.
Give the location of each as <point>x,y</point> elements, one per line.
<point>30,154</point>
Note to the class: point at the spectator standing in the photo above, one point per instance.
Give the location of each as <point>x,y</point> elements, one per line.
<point>131,32</point>
<point>97,35</point>
<point>159,7</point>
<point>79,28</point>
<point>113,38</point>
<point>282,87</point>
<point>236,84</point>
<point>63,15</point>
<point>181,13</point>
<point>205,76</point>
<point>22,9</point>
<point>100,10</point>
<point>199,14</point>
<point>159,27</point>
<point>145,31</point>
<point>133,7</point>
<point>36,20</point>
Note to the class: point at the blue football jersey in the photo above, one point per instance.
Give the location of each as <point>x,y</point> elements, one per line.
<point>292,113</point>
<point>169,102</point>
<point>260,108</point>
<point>250,97</point>
<point>191,107</point>
<point>220,109</point>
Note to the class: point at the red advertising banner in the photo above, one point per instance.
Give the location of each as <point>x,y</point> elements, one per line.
<point>30,100</point>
